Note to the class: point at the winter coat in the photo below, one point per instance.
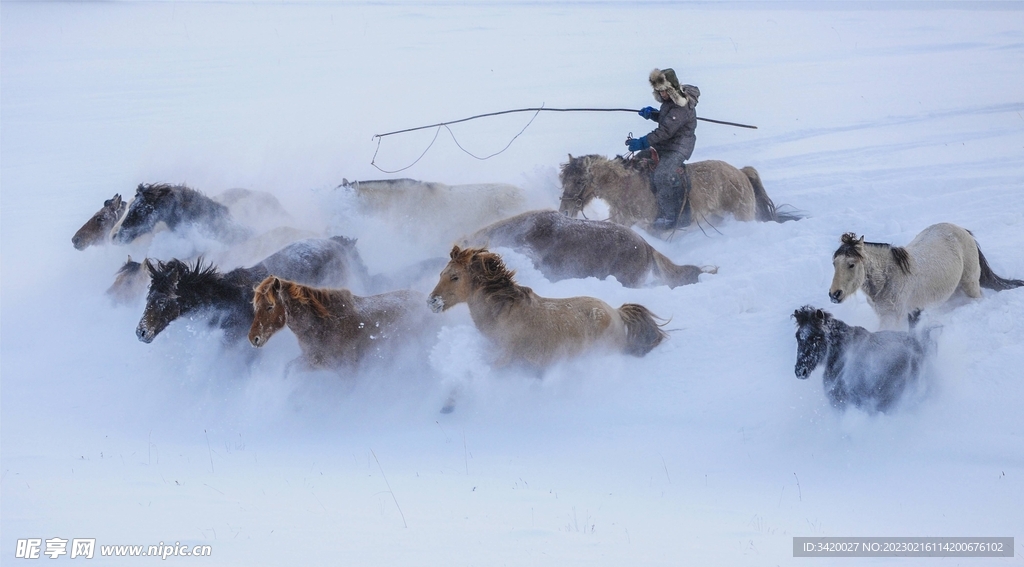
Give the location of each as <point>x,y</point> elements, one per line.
<point>675,131</point>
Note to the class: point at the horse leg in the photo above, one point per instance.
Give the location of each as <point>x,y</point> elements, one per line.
<point>970,281</point>
<point>971,287</point>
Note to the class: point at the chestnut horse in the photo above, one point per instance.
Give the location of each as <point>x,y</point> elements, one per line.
<point>336,328</point>
<point>535,330</point>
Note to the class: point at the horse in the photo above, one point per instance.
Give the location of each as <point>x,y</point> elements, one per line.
<point>97,229</point>
<point>256,209</point>
<point>537,331</point>
<point>177,205</point>
<point>336,328</point>
<point>428,214</point>
<point>131,280</point>
<point>130,283</point>
<point>869,370</point>
<point>717,189</point>
<point>561,247</point>
<point>177,288</point>
<point>897,280</point>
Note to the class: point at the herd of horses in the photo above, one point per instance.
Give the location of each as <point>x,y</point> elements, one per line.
<point>343,317</point>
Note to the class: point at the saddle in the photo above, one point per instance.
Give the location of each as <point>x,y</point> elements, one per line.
<point>643,161</point>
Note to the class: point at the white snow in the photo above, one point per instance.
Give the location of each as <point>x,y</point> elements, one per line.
<point>875,118</point>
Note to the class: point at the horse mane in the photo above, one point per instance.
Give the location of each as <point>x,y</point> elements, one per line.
<point>576,166</point>
<point>807,314</point>
<point>620,166</point>
<point>851,246</point>
<point>184,193</point>
<point>580,167</point>
<point>311,296</point>
<point>490,274</point>
<point>160,189</point>
<point>189,276</point>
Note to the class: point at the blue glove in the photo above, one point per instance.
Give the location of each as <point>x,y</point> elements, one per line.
<point>637,144</point>
<point>647,111</point>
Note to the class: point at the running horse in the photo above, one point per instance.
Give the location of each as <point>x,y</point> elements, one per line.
<point>538,331</point>
<point>717,189</point>
<point>898,280</point>
<point>561,247</point>
<point>336,328</point>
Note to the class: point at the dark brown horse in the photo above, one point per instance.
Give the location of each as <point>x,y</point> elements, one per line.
<point>534,330</point>
<point>562,248</point>
<point>97,229</point>
<point>335,327</point>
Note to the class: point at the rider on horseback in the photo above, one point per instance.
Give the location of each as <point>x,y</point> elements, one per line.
<point>673,139</point>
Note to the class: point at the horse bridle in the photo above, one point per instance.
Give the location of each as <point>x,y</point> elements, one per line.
<point>578,199</point>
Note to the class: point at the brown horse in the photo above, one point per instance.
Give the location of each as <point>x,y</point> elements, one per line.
<point>335,328</point>
<point>717,189</point>
<point>535,330</point>
<point>97,229</point>
<point>561,248</point>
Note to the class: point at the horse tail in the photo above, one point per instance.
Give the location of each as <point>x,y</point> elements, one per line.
<point>765,208</point>
<point>990,280</point>
<point>674,275</point>
<point>643,332</point>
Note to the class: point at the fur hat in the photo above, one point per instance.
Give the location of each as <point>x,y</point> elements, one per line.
<point>665,80</point>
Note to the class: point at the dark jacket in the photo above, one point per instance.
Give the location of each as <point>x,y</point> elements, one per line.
<point>675,131</point>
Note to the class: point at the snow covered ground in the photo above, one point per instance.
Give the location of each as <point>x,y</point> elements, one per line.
<point>876,118</point>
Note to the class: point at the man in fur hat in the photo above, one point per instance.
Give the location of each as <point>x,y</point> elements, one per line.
<point>674,139</point>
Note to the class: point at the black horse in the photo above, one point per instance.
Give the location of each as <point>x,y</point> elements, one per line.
<point>177,205</point>
<point>868,370</point>
<point>179,289</point>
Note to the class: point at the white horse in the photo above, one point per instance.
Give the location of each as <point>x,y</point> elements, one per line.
<point>898,280</point>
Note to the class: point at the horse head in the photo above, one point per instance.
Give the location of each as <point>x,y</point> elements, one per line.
<point>99,226</point>
<point>130,282</point>
<point>151,205</point>
<point>811,339</point>
<point>269,311</point>
<point>577,186</point>
<point>162,301</point>
<point>456,281</point>
<point>848,261</point>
